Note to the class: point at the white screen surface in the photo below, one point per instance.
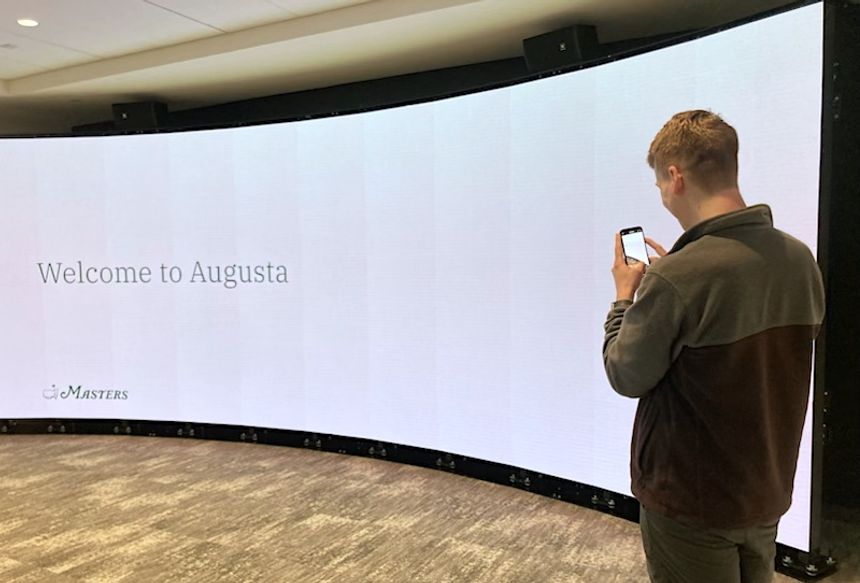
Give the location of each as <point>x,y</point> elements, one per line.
<point>447,264</point>
<point>633,244</point>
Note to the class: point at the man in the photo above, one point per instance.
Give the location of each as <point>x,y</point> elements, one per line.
<point>715,339</point>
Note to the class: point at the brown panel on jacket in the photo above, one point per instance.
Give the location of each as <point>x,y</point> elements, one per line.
<point>719,449</point>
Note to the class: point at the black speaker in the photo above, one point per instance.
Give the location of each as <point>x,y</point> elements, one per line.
<point>561,48</point>
<point>139,115</point>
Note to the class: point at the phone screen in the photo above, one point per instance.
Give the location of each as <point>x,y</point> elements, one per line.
<point>633,243</point>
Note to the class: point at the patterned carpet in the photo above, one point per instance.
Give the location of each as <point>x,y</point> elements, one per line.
<point>134,509</point>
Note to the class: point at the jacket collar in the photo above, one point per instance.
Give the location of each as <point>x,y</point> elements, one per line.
<point>756,215</point>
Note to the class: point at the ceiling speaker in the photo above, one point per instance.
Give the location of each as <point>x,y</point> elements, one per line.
<point>561,48</point>
<point>139,115</point>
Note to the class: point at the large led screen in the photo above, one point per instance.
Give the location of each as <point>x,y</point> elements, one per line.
<point>434,275</point>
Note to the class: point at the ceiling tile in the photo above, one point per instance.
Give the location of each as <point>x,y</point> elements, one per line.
<point>308,7</point>
<point>21,56</point>
<point>102,28</point>
<point>227,15</point>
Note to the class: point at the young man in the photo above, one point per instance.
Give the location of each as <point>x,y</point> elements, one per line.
<point>715,339</point>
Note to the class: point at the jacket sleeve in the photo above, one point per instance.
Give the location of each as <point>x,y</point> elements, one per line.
<point>643,338</point>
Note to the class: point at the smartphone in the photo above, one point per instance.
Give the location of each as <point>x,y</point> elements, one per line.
<point>633,244</point>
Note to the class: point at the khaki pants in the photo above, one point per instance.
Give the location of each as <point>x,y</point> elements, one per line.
<point>682,554</point>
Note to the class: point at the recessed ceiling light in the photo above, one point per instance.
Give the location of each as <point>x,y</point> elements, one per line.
<point>28,22</point>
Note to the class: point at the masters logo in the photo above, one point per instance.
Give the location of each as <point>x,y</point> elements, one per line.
<point>80,393</point>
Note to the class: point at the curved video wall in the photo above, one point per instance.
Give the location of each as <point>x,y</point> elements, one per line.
<point>434,275</point>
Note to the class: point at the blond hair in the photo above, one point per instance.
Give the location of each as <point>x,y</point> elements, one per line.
<point>702,145</point>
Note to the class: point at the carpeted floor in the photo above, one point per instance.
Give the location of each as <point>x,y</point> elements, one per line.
<point>134,509</point>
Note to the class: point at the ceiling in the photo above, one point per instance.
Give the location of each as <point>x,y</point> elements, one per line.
<point>87,54</point>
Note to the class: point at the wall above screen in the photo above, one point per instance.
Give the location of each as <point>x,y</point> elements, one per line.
<point>71,69</point>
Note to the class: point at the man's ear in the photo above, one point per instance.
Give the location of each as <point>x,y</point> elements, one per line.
<point>676,176</point>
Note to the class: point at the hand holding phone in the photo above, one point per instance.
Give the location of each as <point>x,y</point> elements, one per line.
<point>631,259</point>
